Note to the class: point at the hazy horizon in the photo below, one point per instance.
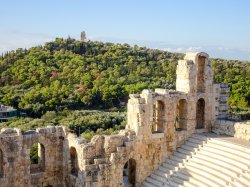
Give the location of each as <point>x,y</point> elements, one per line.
<point>218,28</point>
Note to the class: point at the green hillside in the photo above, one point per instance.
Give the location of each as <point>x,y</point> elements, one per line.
<point>70,74</point>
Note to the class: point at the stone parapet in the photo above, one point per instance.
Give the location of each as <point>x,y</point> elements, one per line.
<point>233,128</point>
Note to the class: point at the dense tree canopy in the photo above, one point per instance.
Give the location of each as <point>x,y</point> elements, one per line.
<point>70,74</point>
<point>82,122</point>
<point>237,75</point>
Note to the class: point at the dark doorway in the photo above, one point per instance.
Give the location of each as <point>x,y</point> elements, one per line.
<point>200,114</point>
<point>158,117</point>
<point>181,115</point>
<point>1,163</point>
<point>129,173</point>
<point>73,161</point>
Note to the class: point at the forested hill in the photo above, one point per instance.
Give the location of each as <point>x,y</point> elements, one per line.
<point>72,74</point>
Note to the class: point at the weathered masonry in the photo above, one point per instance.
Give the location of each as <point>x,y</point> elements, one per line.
<point>158,123</point>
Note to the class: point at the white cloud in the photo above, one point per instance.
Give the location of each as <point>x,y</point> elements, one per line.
<point>182,49</point>
<point>223,49</point>
<point>192,49</point>
<point>179,49</point>
<point>167,49</point>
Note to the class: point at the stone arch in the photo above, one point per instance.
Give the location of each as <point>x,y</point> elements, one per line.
<point>181,115</point>
<point>201,74</point>
<point>200,114</point>
<point>158,116</point>
<point>73,161</point>
<point>129,173</point>
<point>37,158</point>
<point>1,163</point>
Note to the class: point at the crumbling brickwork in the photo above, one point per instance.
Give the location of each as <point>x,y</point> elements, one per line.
<point>158,122</point>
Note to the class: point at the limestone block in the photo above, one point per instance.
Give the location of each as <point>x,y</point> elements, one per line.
<point>98,161</point>
<point>112,142</point>
<point>157,135</point>
<point>98,141</point>
<point>161,91</point>
<point>223,107</point>
<point>88,151</point>
<point>8,131</point>
<point>134,96</point>
<point>232,128</point>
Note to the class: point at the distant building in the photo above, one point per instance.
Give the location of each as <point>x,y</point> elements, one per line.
<point>7,113</point>
<point>83,36</point>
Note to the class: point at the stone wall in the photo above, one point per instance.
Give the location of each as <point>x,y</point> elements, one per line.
<point>17,169</point>
<point>159,122</point>
<point>233,128</point>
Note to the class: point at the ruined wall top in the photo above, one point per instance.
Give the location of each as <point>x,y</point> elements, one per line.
<point>194,56</point>
<point>194,73</point>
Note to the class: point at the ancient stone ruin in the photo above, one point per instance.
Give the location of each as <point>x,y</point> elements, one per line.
<point>159,122</point>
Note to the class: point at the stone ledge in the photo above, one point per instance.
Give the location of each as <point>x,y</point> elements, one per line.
<point>157,135</point>
<point>232,128</point>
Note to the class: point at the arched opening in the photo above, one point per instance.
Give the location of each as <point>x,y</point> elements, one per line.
<point>201,74</point>
<point>129,173</point>
<point>158,117</point>
<point>200,114</point>
<point>181,115</point>
<point>1,163</point>
<point>73,161</point>
<point>41,156</point>
<point>37,158</point>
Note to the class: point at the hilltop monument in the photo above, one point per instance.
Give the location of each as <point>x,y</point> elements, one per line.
<point>83,36</point>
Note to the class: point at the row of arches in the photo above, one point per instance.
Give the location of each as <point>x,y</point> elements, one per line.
<point>129,169</point>
<point>181,115</point>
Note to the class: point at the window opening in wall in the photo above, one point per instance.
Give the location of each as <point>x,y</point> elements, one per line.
<point>73,161</point>
<point>129,173</point>
<point>181,115</point>
<point>1,163</point>
<point>201,74</point>
<point>200,114</point>
<point>37,158</point>
<point>158,117</point>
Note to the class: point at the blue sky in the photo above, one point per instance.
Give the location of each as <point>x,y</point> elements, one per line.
<point>219,27</point>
